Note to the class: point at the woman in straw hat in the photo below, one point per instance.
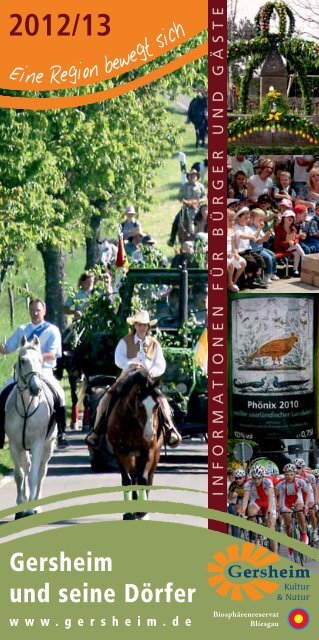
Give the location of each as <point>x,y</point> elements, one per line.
<point>137,350</point>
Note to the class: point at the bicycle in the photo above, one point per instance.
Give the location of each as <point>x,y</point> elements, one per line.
<point>310,529</point>
<point>259,539</point>
<point>298,556</point>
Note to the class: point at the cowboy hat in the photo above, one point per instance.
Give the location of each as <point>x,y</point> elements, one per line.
<point>130,209</point>
<point>141,316</point>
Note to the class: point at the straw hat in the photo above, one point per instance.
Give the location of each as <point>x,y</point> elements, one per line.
<point>141,316</point>
<point>193,172</point>
<point>130,209</point>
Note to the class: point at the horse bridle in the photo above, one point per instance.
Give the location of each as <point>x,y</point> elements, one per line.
<point>26,375</point>
<point>26,413</point>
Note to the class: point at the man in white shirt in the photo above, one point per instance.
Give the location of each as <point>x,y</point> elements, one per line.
<point>137,350</point>
<point>50,343</point>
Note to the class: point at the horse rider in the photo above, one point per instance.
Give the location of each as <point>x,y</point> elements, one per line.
<point>50,344</point>
<point>137,350</point>
<point>192,194</point>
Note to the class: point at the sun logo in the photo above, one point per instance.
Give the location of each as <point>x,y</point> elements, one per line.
<point>248,556</point>
<point>298,618</point>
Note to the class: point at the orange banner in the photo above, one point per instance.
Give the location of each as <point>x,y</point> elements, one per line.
<point>65,102</point>
<point>77,43</point>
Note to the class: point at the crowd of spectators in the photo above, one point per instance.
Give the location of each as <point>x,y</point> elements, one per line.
<point>273,212</point>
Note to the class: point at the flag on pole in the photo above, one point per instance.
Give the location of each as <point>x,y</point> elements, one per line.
<point>201,352</point>
<point>121,260</point>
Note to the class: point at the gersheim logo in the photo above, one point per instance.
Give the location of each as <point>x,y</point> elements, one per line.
<point>298,618</point>
<point>237,572</point>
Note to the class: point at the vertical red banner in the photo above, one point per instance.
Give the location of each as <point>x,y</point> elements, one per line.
<point>217,265</point>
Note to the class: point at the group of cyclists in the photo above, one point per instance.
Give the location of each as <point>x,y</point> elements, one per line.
<point>276,497</point>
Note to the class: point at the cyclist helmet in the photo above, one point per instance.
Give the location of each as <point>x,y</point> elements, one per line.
<point>316,472</point>
<point>274,471</point>
<point>240,473</point>
<point>289,467</point>
<point>299,463</point>
<point>257,471</point>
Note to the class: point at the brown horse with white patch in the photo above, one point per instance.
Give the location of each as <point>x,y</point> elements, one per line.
<point>135,434</point>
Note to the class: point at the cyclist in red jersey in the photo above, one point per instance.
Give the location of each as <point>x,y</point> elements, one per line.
<point>310,480</point>
<point>289,493</point>
<point>273,475</point>
<point>259,496</point>
<point>316,474</point>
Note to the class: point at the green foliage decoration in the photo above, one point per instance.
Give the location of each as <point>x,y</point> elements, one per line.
<point>150,258</point>
<point>262,19</point>
<point>300,54</point>
<point>274,102</point>
<point>249,149</point>
<point>100,315</point>
<point>247,77</point>
<point>286,123</point>
<point>274,118</point>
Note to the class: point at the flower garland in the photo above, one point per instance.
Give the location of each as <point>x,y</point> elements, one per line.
<point>247,148</point>
<point>253,63</point>
<point>273,103</point>
<point>263,17</point>
<point>301,54</point>
<point>278,122</point>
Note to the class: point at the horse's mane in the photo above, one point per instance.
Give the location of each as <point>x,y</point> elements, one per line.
<point>129,393</point>
<point>138,378</point>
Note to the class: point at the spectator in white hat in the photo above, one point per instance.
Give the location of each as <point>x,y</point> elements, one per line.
<point>128,226</point>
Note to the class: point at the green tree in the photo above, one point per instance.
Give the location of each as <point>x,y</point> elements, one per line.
<point>62,171</point>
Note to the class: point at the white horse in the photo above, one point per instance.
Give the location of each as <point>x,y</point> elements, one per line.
<point>28,414</point>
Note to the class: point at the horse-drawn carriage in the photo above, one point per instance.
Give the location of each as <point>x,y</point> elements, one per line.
<point>179,329</point>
